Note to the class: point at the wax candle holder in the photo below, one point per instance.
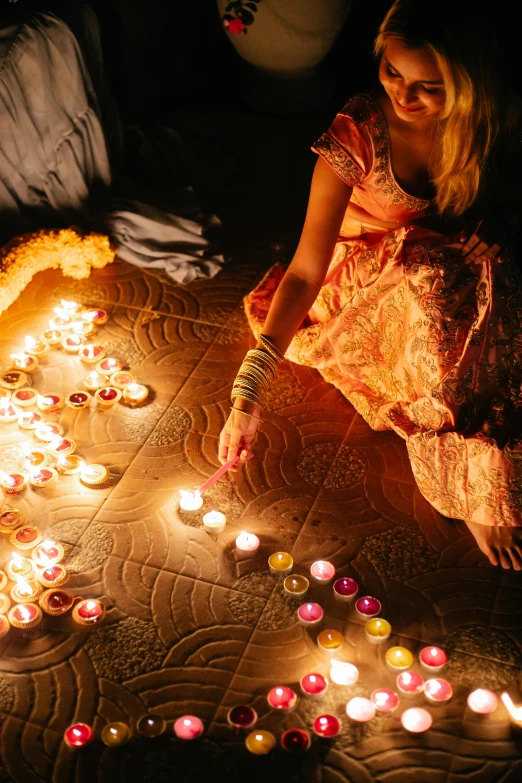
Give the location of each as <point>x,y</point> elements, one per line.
<point>43,477</point>
<point>94,474</point>
<point>385,700</point>
<point>78,400</point>
<point>69,465</point>
<point>53,575</point>
<point>96,316</point>
<point>24,362</point>
<point>96,380</point>
<point>14,379</point>
<point>260,742</point>
<point>29,420</point>
<point>188,727</point>
<point>5,625</point>
<point>247,544</point>
<point>61,446</point>
<point>296,585</point>
<point>377,630</point>
<point>295,741</point>
<point>35,458</point>
<point>345,589</point>
<point>190,501</point>
<point>242,717</point>
<point>107,397</point>
<point>51,402</point>
<point>115,734</point>
<point>88,612</point>
<point>214,522</point>
<point>25,616</point>
<point>438,691</point>
<point>322,572</point>
<point>416,720</point>
<point>151,726</point>
<point>52,336</point>
<point>134,394</point>
<point>432,659</point>
<point>310,615</point>
<point>48,553</point>
<point>410,684</point>
<point>327,726</point>
<point>5,603</point>
<point>11,519</point>
<point>24,397</point>
<point>47,431</point>
<point>26,537</point>
<point>73,342</point>
<point>19,568</point>
<point>282,698</point>
<point>8,411</point>
<point>38,348</point>
<point>25,591</point>
<point>280,563</point>
<point>330,642</point>
<point>109,365</point>
<point>398,659</point>
<point>314,685</point>
<point>78,736</point>
<point>122,379</point>
<point>343,673</point>
<point>360,709</point>
<point>367,607</point>
<point>483,702</point>
<point>13,483</point>
<point>91,353</point>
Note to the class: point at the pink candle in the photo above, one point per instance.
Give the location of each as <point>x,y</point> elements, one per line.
<point>281,698</point>
<point>438,691</point>
<point>432,658</point>
<point>314,684</point>
<point>188,727</point>
<point>367,607</point>
<point>416,720</point>
<point>345,589</point>
<point>310,614</point>
<point>360,709</point>
<point>385,700</point>
<point>322,571</point>
<point>327,726</point>
<point>410,683</point>
<point>78,735</point>
<point>242,717</point>
<point>482,701</point>
<point>295,740</point>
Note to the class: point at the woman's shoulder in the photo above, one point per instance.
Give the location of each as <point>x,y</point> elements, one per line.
<point>361,108</point>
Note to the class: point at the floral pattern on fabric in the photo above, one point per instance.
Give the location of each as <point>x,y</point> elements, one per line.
<point>339,160</point>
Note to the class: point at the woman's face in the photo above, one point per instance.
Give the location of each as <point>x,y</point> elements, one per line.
<point>412,81</point>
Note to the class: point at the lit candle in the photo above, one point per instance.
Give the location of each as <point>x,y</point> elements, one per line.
<point>13,379</point>
<point>24,397</point>
<point>96,380</point>
<point>53,335</point>
<point>296,585</point>
<point>385,700</point>
<point>25,616</point>
<point>214,522</point>
<point>88,611</point>
<point>190,501</point>
<point>94,474</point>
<point>43,477</point>
<point>4,625</point>
<point>71,308</point>
<point>310,614</point>
<point>280,563</point>
<point>108,365</point>
<point>5,603</point>
<point>247,543</point>
<point>188,727</point>
<point>314,684</point>
<point>13,483</point>
<point>73,342</point>
<point>91,353</point>
<point>330,642</point>
<point>377,630</point>
<point>26,537</point>
<point>10,519</point>
<point>115,734</point>
<point>53,576</point>
<point>322,571</point>
<point>242,717</point>
<point>345,589</point>
<point>48,553</point>
<point>48,403</point>
<point>83,328</point>
<point>19,567</point>
<point>482,701</point>
<point>8,412</point>
<point>432,658</point>
<point>69,465</point>
<point>410,683</point>
<point>343,673</point>
<point>438,691</point>
<point>295,740</point>
<point>36,348</point>
<point>260,742</point>
<point>97,316</point>
<point>26,590</point>
<point>47,431</point>
<point>282,698</point>
<point>79,735</point>
<point>24,361</point>
<point>327,726</point>
<point>367,607</point>
<point>360,709</point>
<point>151,726</point>
<point>107,397</point>
<point>62,318</point>
<point>122,379</point>
<point>134,394</point>
<point>29,420</point>
<point>34,458</point>
<point>77,400</point>
<point>61,447</point>
<point>416,720</point>
<point>398,659</point>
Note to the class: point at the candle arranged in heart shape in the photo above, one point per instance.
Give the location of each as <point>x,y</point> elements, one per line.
<point>24,397</point>
<point>345,589</point>
<point>377,630</point>
<point>48,553</point>
<point>296,585</point>
<point>10,519</point>
<point>13,483</point>
<point>343,673</point>
<point>295,740</point>
<point>282,698</point>
<point>26,537</point>
<point>432,658</point>
<point>385,700</point>
<point>38,348</point>
<point>314,684</point>
<point>96,380</point>
<point>96,316</point>
<point>8,412</point>
<point>310,614</point>
<point>398,659</point>
<point>134,394</point>
<point>360,709</point>
<point>49,403</point>
<point>88,611</point>
<point>190,501</point>
<point>242,717</point>
<point>247,542</point>
<point>107,396</point>
<point>214,522</point>
<point>416,720</point>
<point>78,400</point>
<point>330,641</point>
<point>91,353</point>
<point>483,702</point>
<point>151,726</point>
<point>109,365</point>
<point>410,683</point>
<point>24,361</point>
<point>115,734</point>
<point>29,420</point>
<point>73,342</point>
<point>367,607</point>
<point>260,742</point>
<point>43,477</point>
<point>327,726</point>
<point>25,616</point>
<point>280,563</point>
<point>56,602</point>
<point>78,735</point>
<point>322,571</point>
<point>438,691</point>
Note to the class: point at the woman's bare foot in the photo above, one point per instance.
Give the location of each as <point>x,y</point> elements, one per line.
<point>502,545</point>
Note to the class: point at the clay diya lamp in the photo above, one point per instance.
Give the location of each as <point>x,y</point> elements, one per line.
<point>53,335</point>
<point>134,394</point>
<point>96,380</point>
<point>109,365</point>
<point>91,353</point>
<point>61,446</point>
<point>25,537</point>
<point>25,616</point>
<point>8,412</point>
<point>48,553</point>
<point>35,458</point>
<point>107,397</point>
<point>29,420</point>
<point>19,568</point>
<point>4,625</point>
<point>88,611</point>
<point>69,465</point>
<point>38,348</point>
<point>77,400</point>
<point>13,379</point>
<point>47,431</point>
<point>48,403</point>
<point>26,591</point>
<point>10,520</point>
<point>56,602</point>
<point>24,397</point>
<point>96,316</point>
<point>93,474</point>
<point>73,342</point>
<point>122,379</point>
<point>24,362</point>
<point>13,483</point>
<point>43,477</point>
<point>53,576</point>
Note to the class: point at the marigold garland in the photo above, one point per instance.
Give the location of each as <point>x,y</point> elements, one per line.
<point>69,249</point>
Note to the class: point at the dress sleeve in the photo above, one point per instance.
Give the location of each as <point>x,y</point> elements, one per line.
<point>346,146</point>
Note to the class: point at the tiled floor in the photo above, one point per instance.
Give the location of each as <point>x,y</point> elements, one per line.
<point>192,629</point>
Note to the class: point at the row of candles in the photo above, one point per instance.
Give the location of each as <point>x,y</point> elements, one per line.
<point>39,577</point>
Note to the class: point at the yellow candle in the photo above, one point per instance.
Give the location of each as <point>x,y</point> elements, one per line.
<point>377,630</point>
<point>399,658</point>
<point>115,734</point>
<point>260,742</point>
<point>330,641</point>
<point>296,584</point>
<point>280,563</point>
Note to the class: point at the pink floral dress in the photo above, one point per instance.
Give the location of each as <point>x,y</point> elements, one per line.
<point>418,341</point>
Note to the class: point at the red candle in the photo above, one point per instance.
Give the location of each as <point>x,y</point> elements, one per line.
<point>385,700</point>
<point>98,316</point>
<point>47,552</point>
<point>108,393</point>
<point>410,683</point>
<point>314,684</point>
<point>242,717</point>
<point>90,610</point>
<point>43,475</point>
<point>368,607</point>
<point>282,698</point>
<point>53,575</point>
<point>91,352</point>
<point>78,735</point>
<point>27,534</point>
<point>25,615</point>
<point>47,432</point>
<point>432,658</point>
<point>327,726</point>
<point>109,365</point>
<point>78,398</point>
<point>295,741</point>
<point>56,601</point>
<point>345,589</point>
<point>188,727</point>
<point>438,691</point>
<point>24,395</point>
<point>11,519</point>
<point>14,482</point>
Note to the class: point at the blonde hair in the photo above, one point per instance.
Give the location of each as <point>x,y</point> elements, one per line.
<point>466,55</point>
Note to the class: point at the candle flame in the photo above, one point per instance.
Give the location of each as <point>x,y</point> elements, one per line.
<point>4,402</point>
<point>279,691</point>
<point>25,613</point>
<point>434,651</point>
<point>23,587</point>
<point>63,462</point>
<point>69,306</point>
<point>313,678</point>
<point>7,480</point>
<point>406,678</point>
<point>515,712</point>
<point>90,472</point>
<point>259,737</point>
<point>90,605</point>
<point>381,698</point>
<point>56,441</point>
<point>77,732</point>
<point>45,401</point>
<point>17,561</point>
<point>187,722</point>
<point>323,721</point>
<point>113,730</point>
<point>53,325</point>
<point>62,313</point>
<point>30,342</point>
<point>434,686</point>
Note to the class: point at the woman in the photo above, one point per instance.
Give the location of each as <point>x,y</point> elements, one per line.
<point>411,315</point>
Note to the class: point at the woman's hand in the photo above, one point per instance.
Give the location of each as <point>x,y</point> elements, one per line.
<point>238,435</point>
<point>480,242</point>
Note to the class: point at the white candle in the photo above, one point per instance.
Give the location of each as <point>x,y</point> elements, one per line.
<point>416,720</point>
<point>322,571</point>
<point>343,673</point>
<point>360,709</point>
<point>482,701</point>
<point>190,501</point>
<point>247,542</point>
<point>214,522</point>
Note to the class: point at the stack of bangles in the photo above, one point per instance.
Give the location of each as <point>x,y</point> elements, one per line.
<point>256,372</point>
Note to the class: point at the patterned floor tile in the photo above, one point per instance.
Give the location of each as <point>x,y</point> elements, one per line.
<point>27,752</point>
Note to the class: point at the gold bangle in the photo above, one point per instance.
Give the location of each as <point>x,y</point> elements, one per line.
<point>269,346</point>
<point>245,412</point>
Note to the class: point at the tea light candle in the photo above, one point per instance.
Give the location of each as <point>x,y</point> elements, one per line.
<point>25,362</point>
<point>108,365</point>
<point>296,585</point>
<point>19,567</point>
<point>214,522</point>
<point>13,379</point>
<point>282,698</point>
<point>69,465</point>
<point>97,316</point>
<point>314,684</point>
<point>25,616</point>
<point>280,563</point>
<point>438,691</point>
<point>327,726</point>
<point>242,717</point>
<point>367,607</point>
<point>377,630</point>
<point>10,519</point>
<point>398,659</point>
<point>26,591</point>
<point>13,483</point>
<point>322,571</point>
<point>29,420</point>
<point>482,702</point>
<point>96,380</point>
<point>88,611</point>
<point>79,735</point>
<point>48,403</point>
<point>47,431</point>
<point>115,734</point>
<point>5,603</point>
<point>360,709</point>
<point>24,397</point>
<point>53,335</point>
<point>345,589</point>
<point>247,543</point>
<point>385,700</point>
<point>310,615</point>
<point>188,727</point>
<point>4,625</point>
<point>134,394</point>
<point>94,474</point>
<point>295,740</point>
<point>61,446</point>
<point>8,412</point>
<point>122,379</point>
<point>43,477</point>
<point>73,342</point>
<point>151,726</point>
<point>416,720</point>
<point>410,683</point>
<point>330,642</point>
<point>48,553</point>
<point>77,400</point>
<point>432,659</point>
<point>91,353</point>
<point>36,348</point>
<point>190,501</point>
<point>25,537</point>
<point>343,673</point>
<point>260,742</point>
<point>53,576</point>
<point>107,397</point>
